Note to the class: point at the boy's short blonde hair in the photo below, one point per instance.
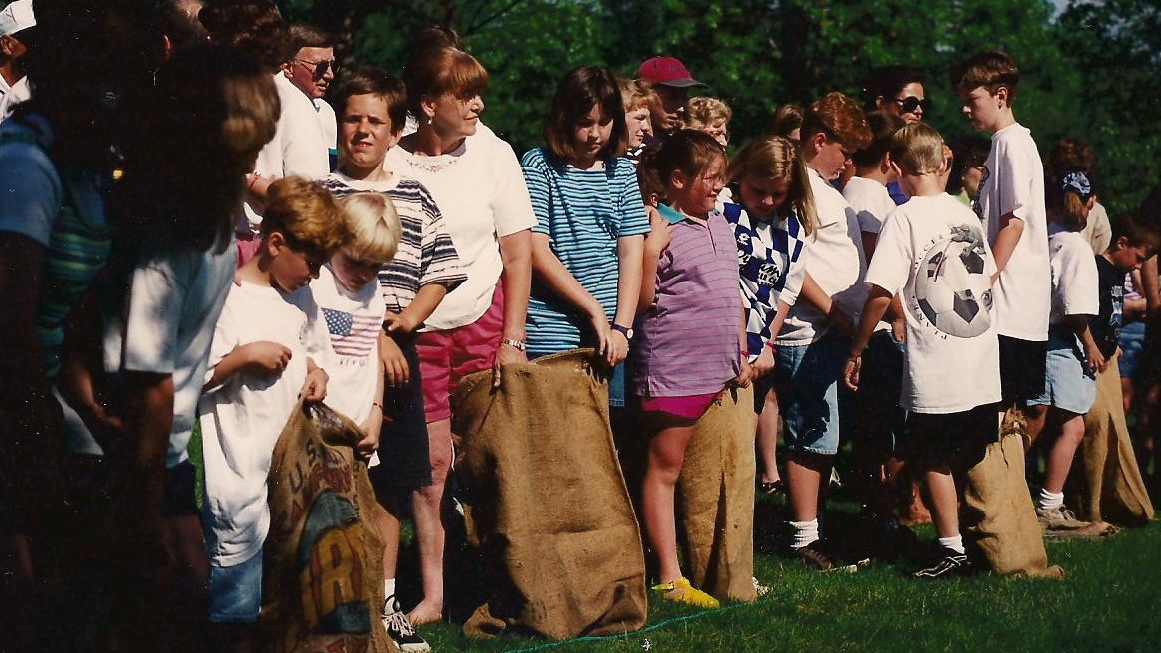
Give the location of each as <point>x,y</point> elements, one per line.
<point>636,94</point>
<point>991,70</point>
<point>702,112</point>
<point>374,227</point>
<point>305,214</point>
<point>917,149</point>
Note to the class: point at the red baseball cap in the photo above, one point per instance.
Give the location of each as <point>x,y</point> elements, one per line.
<point>667,71</point>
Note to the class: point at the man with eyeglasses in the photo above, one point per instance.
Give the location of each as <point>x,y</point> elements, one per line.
<point>17,28</point>
<point>311,70</point>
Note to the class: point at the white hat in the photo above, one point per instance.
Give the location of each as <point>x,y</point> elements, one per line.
<point>16,16</point>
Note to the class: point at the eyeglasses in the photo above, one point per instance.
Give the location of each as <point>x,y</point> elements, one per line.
<point>318,69</point>
<point>910,103</point>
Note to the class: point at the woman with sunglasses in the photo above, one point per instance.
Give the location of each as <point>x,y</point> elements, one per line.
<point>898,90</point>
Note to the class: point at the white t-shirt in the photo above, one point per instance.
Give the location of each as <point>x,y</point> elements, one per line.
<point>836,263</point>
<point>871,202</point>
<point>1097,231</point>
<point>1075,288</point>
<point>299,146</point>
<point>354,320</point>
<point>167,324</point>
<point>933,252</point>
<point>242,417</point>
<point>1014,183</point>
<point>10,96</point>
<point>481,192</point>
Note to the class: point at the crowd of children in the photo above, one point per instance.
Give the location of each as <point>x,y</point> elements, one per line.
<point>877,286</point>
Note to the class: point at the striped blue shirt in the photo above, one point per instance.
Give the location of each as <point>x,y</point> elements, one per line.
<point>583,213</point>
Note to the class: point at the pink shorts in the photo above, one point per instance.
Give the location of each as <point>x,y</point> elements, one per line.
<point>445,357</point>
<point>248,245</point>
<point>691,407</point>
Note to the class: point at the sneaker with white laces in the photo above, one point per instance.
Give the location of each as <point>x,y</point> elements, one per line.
<point>950,564</point>
<point>760,589</point>
<point>401,630</point>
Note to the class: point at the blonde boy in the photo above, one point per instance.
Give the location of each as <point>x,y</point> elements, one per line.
<point>932,251</point>
<point>269,347</point>
<point>710,115</point>
<point>636,98</point>
<point>347,292</point>
<point>1011,205</point>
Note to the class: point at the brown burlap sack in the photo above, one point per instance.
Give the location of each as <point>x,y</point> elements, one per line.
<point>548,504</point>
<point>322,585</point>
<point>999,519</point>
<point>1107,483</point>
<point>716,490</point>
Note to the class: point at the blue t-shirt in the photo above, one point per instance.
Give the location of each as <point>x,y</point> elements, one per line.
<point>583,213</point>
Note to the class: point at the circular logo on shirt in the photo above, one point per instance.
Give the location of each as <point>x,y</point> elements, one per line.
<point>952,289</point>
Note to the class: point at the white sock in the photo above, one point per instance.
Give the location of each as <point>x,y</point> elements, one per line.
<point>805,532</point>
<point>388,587</point>
<point>1051,500</point>
<point>954,543</point>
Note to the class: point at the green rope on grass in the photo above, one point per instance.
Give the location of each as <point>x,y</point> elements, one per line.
<point>649,629</point>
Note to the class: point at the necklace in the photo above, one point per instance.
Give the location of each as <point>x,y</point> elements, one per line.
<point>417,162</point>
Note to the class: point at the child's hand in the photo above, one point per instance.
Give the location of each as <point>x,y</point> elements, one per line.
<point>266,356</point>
<point>764,364</point>
<point>315,386</point>
<point>899,329</point>
<point>746,375</point>
<point>1096,360</point>
<point>851,374</point>
<point>399,323</point>
<point>397,373</point>
<point>506,355</point>
<point>373,427</point>
<point>660,232</point>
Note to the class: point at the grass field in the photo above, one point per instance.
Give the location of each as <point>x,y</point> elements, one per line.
<point>1110,602</point>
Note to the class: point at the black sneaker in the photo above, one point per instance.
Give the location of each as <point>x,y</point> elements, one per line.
<point>401,630</point>
<point>950,564</point>
<point>813,556</point>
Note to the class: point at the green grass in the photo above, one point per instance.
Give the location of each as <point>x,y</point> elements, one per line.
<point>1108,603</point>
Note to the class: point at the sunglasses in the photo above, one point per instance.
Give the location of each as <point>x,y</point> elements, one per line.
<point>910,103</point>
<point>318,69</point>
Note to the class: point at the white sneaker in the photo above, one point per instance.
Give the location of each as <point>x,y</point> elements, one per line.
<point>401,630</point>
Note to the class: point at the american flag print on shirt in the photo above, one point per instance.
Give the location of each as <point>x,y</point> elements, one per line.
<point>352,335</point>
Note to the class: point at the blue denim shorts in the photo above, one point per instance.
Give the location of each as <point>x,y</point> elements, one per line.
<point>1068,384</point>
<point>808,377</point>
<point>1133,345</point>
<point>236,592</point>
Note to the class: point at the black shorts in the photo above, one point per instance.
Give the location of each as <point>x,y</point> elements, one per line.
<point>404,459</point>
<point>1022,368</point>
<point>957,439</point>
<point>179,496</point>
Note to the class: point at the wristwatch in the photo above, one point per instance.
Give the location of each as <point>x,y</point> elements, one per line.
<point>623,330</point>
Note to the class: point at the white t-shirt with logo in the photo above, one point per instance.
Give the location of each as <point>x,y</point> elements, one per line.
<point>480,191</point>
<point>836,263</point>
<point>1014,183</point>
<point>932,251</point>
<point>354,320</point>
<point>242,417</point>
<point>871,202</point>
<point>1075,288</point>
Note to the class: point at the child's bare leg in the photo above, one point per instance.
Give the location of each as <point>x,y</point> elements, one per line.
<point>427,506</point>
<point>666,455</point>
<point>768,438</point>
<point>805,473</point>
<point>1063,451</point>
<point>944,501</point>
<point>390,529</point>
<point>1037,417</point>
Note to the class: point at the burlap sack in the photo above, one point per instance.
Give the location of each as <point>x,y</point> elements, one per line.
<point>1107,482</point>
<point>548,503</point>
<point>999,519</point>
<point>322,586</point>
<point>716,490</point>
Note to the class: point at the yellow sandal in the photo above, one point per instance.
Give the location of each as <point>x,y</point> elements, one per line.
<point>687,594</point>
